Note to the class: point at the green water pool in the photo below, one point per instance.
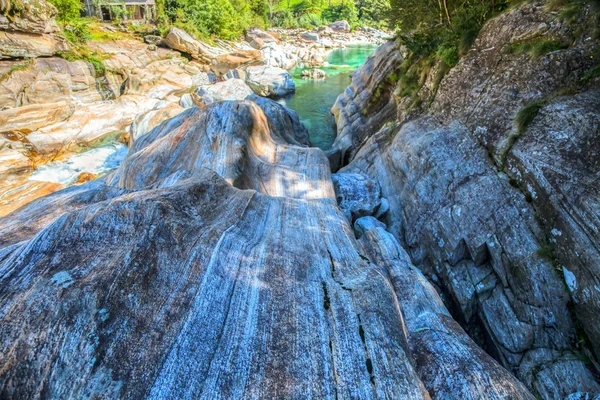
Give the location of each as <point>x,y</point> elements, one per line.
<point>314,98</point>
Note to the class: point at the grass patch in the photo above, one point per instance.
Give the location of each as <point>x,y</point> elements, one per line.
<point>95,59</point>
<point>538,48</point>
<point>17,67</point>
<point>527,114</point>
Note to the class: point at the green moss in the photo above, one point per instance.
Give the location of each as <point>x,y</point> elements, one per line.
<point>17,67</point>
<point>527,114</point>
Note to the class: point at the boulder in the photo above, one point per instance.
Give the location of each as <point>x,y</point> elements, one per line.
<point>340,26</point>
<point>270,81</point>
<point>258,38</point>
<point>152,39</point>
<point>310,37</point>
<point>278,56</point>
<point>179,39</point>
<point>239,59</point>
<point>314,73</point>
<point>231,89</point>
<point>235,74</point>
<point>325,31</point>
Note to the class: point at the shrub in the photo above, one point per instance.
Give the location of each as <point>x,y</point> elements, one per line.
<point>77,32</point>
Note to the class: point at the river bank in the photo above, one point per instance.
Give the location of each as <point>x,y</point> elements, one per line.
<point>58,112</point>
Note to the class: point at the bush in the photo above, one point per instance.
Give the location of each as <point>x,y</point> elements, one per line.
<point>346,11</point>
<point>77,32</point>
<point>68,10</point>
<point>449,55</point>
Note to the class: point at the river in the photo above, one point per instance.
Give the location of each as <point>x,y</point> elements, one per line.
<point>312,101</point>
<point>315,97</point>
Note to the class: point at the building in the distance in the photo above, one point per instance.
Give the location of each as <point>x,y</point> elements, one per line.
<point>110,10</point>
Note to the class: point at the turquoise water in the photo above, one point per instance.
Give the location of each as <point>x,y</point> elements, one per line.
<point>314,98</point>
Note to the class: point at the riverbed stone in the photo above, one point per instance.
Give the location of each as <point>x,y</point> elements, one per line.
<point>270,81</point>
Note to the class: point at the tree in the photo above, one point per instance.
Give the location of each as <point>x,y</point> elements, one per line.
<point>68,10</point>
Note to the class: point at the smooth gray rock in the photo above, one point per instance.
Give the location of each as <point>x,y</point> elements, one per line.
<point>309,36</point>
<point>340,26</point>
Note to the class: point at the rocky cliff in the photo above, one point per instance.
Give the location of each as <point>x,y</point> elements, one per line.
<point>215,263</point>
<point>491,176</point>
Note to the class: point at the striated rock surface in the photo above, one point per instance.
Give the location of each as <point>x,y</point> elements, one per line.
<point>500,217</point>
<point>27,29</point>
<point>219,249</point>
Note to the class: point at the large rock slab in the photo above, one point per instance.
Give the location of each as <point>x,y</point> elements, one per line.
<point>179,39</point>
<point>270,81</point>
<point>22,44</point>
<point>237,273</point>
<point>219,225</point>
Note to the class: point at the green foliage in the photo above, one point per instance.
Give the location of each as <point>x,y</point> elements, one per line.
<point>68,10</point>
<point>449,55</point>
<point>77,32</point>
<point>214,18</point>
<point>527,114</point>
<point>345,11</point>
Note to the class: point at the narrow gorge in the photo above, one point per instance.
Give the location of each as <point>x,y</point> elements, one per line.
<point>259,219</point>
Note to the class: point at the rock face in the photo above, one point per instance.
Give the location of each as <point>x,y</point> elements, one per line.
<point>27,29</point>
<point>270,81</point>
<point>221,225</point>
<point>557,161</point>
<point>501,218</point>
